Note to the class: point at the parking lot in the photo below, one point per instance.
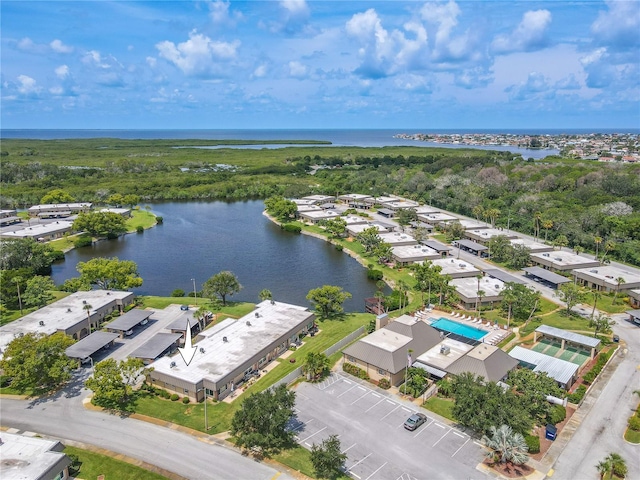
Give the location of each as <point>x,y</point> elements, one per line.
<point>370,426</point>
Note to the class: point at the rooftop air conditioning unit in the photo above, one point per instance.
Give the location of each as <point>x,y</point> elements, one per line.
<point>201,350</point>
<point>445,350</point>
<point>496,286</point>
<point>257,314</point>
<point>84,302</point>
<point>248,323</point>
<point>224,339</point>
<point>41,323</point>
<point>273,302</point>
<point>593,271</point>
<point>545,254</point>
<point>172,365</point>
<point>68,310</point>
<point>453,261</point>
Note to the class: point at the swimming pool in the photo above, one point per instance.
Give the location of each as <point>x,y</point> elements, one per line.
<point>459,329</point>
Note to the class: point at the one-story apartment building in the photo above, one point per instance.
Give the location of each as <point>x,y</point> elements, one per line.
<point>561,261</point>
<point>605,278</point>
<point>233,351</point>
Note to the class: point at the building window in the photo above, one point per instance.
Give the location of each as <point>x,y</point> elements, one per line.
<point>351,359</point>
<point>263,360</point>
<point>186,391</point>
<point>382,372</point>
<point>208,392</point>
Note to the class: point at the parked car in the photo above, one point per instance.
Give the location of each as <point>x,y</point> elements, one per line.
<point>414,421</point>
<point>128,333</point>
<point>184,307</point>
<point>144,322</point>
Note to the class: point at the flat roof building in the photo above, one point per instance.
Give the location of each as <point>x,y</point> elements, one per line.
<point>68,315</point>
<point>473,225</point>
<point>42,232</point>
<point>315,216</point>
<point>426,209</point>
<point>437,218</point>
<point>355,220</point>
<point>408,254</point>
<point>456,268</point>
<point>535,247</point>
<point>308,208</point>
<point>561,261</point>
<point>233,351</point>
<point>605,278</point>
<point>634,297</point>
<point>397,239</point>
<point>467,289</point>
<point>355,199</point>
<point>25,457</point>
<point>354,230</point>
<point>124,212</point>
<point>319,199</point>
<point>379,200</point>
<point>400,204</point>
<point>439,247</point>
<point>484,235</point>
<point>437,359</point>
<point>59,207</point>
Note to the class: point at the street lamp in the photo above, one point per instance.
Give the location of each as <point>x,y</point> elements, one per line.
<point>206,419</point>
<point>195,295</point>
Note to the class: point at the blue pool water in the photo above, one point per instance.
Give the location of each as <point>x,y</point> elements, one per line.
<point>459,329</point>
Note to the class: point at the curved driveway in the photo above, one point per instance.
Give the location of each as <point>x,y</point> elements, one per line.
<point>180,453</point>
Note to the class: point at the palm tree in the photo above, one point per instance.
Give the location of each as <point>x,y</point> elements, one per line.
<point>403,287</point>
<point>493,214</point>
<point>478,211</point>
<point>613,464</point>
<point>480,295</point>
<point>17,279</point>
<point>265,295</point>
<point>597,240</point>
<point>506,445</point>
<point>86,307</point>
<point>536,218</point>
<point>597,295</point>
<point>478,278</point>
<point>608,246</point>
<point>619,281</point>
<point>509,297</point>
<point>547,224</point>
<point>602,324</point>
<point>316,366</point>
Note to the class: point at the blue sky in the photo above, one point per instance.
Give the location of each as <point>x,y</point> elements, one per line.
<point>323,64</point>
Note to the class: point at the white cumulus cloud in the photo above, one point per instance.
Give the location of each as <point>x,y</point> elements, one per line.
<point>199,56</point>
<point>297,70</point>
<point>27,86</point>
<point>529,35</point>
<point>62,71</point>
<point>619,26</point>
<point>59,47</point>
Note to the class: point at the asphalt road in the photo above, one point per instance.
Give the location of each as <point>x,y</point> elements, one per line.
<point>64,417</point>
<point>602,430</point>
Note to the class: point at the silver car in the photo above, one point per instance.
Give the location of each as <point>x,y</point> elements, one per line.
<point>414,421</point>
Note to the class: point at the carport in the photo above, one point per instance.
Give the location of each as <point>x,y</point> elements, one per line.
<point>385,212</point>
<point>156,347</point>
<point>504,276</point>
<point>129,320</point>
<point>472,247</point>
<point>550,279</point>
<point>90,345</point>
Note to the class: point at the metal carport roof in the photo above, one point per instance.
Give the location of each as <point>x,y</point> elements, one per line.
<point>504,276</point>
<point>156,345</point>
<point>129,320</point>
<point>572,337</point>
<point>546,275</point>
<point>560,370</point>
<point>90,344</point>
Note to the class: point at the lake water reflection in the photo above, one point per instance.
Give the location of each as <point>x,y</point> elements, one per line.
<point>200,239</point>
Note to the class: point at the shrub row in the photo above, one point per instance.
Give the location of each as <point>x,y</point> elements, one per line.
<point>634,423</point>
<point>577,396</point>
<point>384,383</point>
<point>291,227</point>
<point>355,371</point>
<point>557,415</point>
<point>602,359</point>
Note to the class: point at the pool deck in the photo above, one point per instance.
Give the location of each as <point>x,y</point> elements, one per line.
<point>495,334</point>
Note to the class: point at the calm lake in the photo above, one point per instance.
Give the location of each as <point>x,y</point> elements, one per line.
<point>199,239</point>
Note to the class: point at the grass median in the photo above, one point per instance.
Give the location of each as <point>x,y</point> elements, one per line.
<point>92,465</point>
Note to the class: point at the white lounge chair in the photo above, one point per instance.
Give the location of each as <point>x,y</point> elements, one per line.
<point>456,315</point>
<point>453,313</point>
<point>488,324</point>
<point>476,320</point>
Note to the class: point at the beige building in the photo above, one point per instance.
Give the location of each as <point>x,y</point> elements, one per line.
<point>606,277</point>
<point>561,261</point>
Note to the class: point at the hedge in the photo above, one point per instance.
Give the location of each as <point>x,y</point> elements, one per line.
<point>175,397</point>
<point>355,371</point>
<point>576,397</point>
<point>557,414</point>
<point>291,227</point>
<point>384,383</point>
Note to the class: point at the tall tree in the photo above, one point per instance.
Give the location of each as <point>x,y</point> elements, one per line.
<point>222,284</point>
<point>405,216</point>
<point>17,280</point>
<point>110,273</point>
<point>597,295</point>
<point>38,292</point>
<point>601,323</point>
<point>57,196</point>
<point>265,295</point>
<point>328,300</point>
<point>426,276</point>
<point>571,294</point>
<point>27,253</point>
<point>100,224</point>
<point>519,256</point>
<point>328,459</point>
<point>316,366</point>
<point>499,248</point>
<point>336,227</point>
<point>37,361</point>
<point>597,240</point>
<point>547,225</point>
<point>262,420</point>
<point>369,239</point>
<point>280,207</point>
<point>521,299</point>
<point>619,281</point>
<point>112,382</point>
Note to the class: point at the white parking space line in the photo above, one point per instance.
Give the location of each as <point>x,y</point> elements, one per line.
<point>454,453</point>
<point>406,409</point>
<point>374,405</point>
<point>356,464</point>
<point>346,381</point>
<point>478,443</point>
<point>397,407</point>
<point>380,468</point>
<point>432,420</point>
<point>324,428</point>
<point>420,431</point>
<point>445,434</point>
<point>302,425</point>
<point>375,395</point>
<point>392,403</point>
<point>348,448</point>
<point>362,388</point>
<point>357,476</point>
<point>458,434</point>
<point>347,391</point>
<point>359,398</point>
<point>439,426</point>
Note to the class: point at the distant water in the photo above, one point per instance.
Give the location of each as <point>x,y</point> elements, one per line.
<point>337,137</point>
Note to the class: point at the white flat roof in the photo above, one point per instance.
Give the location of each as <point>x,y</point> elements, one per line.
<point>319,198</point>
<point>488,233</point>
<point>387,340</point>
<point>414,251</point>
<point>424,209</point>
<point>354,196</point>
<point>609,273</point>
<point>308,208</point>
<point>382,199</point>
<point>561,258</point>
<point>354,219</point>
<point>441,361</point>
<point>60,315</point>
<point>473,224</point>
<point>302,201</point>
<point>25,457</point>
<point>401,204</point>
<point>397,238</point>
<point>246,337</point>
<point>40,230</point>
<point>452,265</point>
<point>468,287</point>
<point>436,217</point>
<point>119,211</point>
<point>319,214</point>
<point>361,227</point>
<point>65,206</point>
<point>533,246</point>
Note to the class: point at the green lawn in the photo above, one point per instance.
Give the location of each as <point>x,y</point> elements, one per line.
<point>140,218</point>
<point>441,406</point>
<point>95,464</point>
<point>299,459</point>
<point>65,243</point>
<point>558,320</point>
<point>220,413</point>
<point>605,303</point>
